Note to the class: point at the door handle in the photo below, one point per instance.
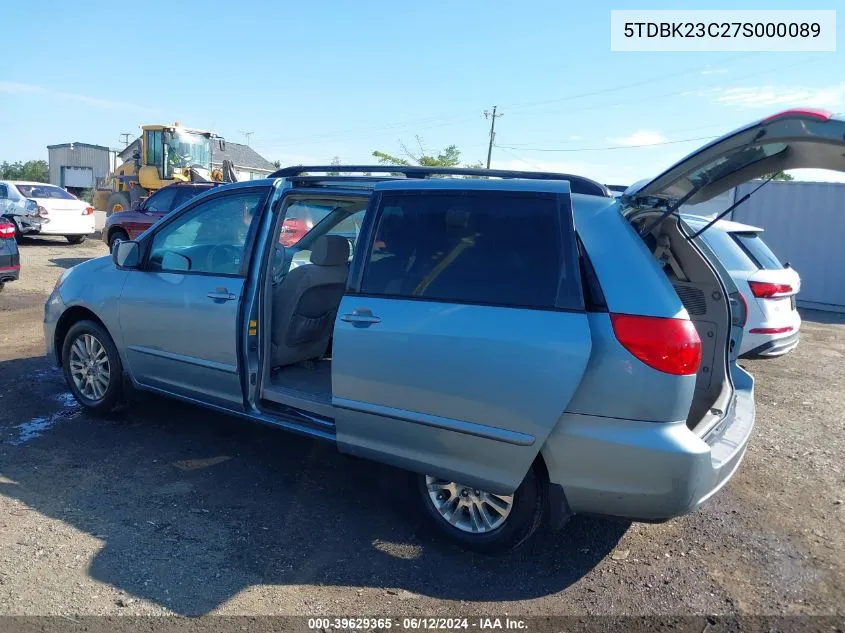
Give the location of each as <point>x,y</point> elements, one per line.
<point>221,294</point>
<point>361,315</point>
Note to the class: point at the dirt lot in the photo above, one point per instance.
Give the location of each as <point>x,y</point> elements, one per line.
<point>173,509</point>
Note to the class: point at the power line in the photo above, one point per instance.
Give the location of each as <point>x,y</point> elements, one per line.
<point>653,97</point>
<point>519,158</point>
<point>246,136</point>
<point>721,126</point>
<point>636,84</point>
<point>124,138</point>
<point>611,147</point>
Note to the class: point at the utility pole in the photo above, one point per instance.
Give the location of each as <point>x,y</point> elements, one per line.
<point>492,116</point>
<point>246,136</point>
<point>124,138</point>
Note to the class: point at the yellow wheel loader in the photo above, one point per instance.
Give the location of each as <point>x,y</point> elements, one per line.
<point>167,154</point>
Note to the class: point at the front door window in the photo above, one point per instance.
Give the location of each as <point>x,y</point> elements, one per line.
<point>210,238</point>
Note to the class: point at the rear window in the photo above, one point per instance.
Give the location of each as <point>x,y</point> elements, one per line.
<point>729,252</point>
<point>497,249</point>
<point>44,191</point>
<point>754,246</point>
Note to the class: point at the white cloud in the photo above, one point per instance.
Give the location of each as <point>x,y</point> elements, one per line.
<point>641,137</point>
<point>782,96</point>
<point>713,71</point>
<point>15,88</point>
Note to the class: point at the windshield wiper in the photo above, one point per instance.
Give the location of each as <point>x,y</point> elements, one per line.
<point>731,208</point>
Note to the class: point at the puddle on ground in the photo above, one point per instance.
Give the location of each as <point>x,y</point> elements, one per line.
<point>28,431</point>
<point>44,374</point>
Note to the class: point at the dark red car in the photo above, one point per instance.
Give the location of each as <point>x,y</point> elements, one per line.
<point>127,225</point>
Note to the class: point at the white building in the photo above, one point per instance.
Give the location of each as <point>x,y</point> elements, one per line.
<point>78,166</point>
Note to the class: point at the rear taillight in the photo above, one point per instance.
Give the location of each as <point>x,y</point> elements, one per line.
<point>88,211</point>
<point>771,330</point>
<point>668,345</point>
<point>766,290</point>
<point>7,231</point>
<point>739,309</point>
<point>42,212</point>
<point>813,113</point>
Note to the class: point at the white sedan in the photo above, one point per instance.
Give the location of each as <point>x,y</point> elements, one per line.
<point>768,287</point>
<point>38,208</point>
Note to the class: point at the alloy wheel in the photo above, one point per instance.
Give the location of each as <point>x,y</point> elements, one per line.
<point>467,508</point>
<point>89,367</point>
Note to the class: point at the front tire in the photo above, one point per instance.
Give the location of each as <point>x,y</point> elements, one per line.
<point>75,239</point>
<point>118,202</point>
<point>481,521</point>
<point>117,234</point>
<point>92,367</point>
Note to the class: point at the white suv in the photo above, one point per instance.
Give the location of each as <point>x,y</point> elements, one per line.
<point>767,286</point>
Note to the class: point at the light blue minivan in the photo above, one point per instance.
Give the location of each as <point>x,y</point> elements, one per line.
<point>525,344</point>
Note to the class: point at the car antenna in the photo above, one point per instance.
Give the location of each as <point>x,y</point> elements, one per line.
<point>732,207</point>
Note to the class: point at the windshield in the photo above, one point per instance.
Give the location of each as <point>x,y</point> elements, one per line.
<point>187,149</point>
<point>44,191</point>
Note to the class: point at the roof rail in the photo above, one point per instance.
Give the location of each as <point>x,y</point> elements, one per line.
<point>578,184</point>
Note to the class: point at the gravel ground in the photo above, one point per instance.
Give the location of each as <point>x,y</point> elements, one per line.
<point>169,508</point>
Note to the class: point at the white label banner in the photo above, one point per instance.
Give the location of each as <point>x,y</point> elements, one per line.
<point>723,30</point>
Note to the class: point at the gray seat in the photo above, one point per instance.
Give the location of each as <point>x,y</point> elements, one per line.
<point>306,301</point>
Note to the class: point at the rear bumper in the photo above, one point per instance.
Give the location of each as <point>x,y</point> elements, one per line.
<point>774,347</point>
<point>25,223</point>
<point>85,225</point>
<point>10,273</point>
<point>647,470</point>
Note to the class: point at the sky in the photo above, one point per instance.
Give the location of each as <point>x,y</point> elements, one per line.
<point>310,82</point>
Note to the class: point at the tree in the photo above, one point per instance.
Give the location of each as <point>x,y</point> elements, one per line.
<point>35,170</point>
<point>335,162</point>
<point>449,156</point>
<point>780,175</point>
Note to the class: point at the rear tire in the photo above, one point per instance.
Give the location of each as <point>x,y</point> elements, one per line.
<point>118,202</point>
<point>75,239</point>
<point>524,517</point>
<point>117,234</point>
<point>92,367</point>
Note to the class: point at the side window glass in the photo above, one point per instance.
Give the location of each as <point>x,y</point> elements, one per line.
<point>154,148</point>
<point>4,191</point>
<point>183,194</point>
<point>210,238</point>
<point>498,249</point>
<point>350,228</point>
<point>161,201</point>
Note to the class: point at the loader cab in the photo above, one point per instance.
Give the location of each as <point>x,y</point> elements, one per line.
<point>168,153</point>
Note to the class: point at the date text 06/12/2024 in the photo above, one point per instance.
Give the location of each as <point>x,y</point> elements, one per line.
<point>418,624</point>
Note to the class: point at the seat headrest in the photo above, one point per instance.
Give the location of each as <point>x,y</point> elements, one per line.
<point>330,250</point>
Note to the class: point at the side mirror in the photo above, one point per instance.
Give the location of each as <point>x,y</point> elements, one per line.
<point>126,254</point>
<point>175,263</point>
